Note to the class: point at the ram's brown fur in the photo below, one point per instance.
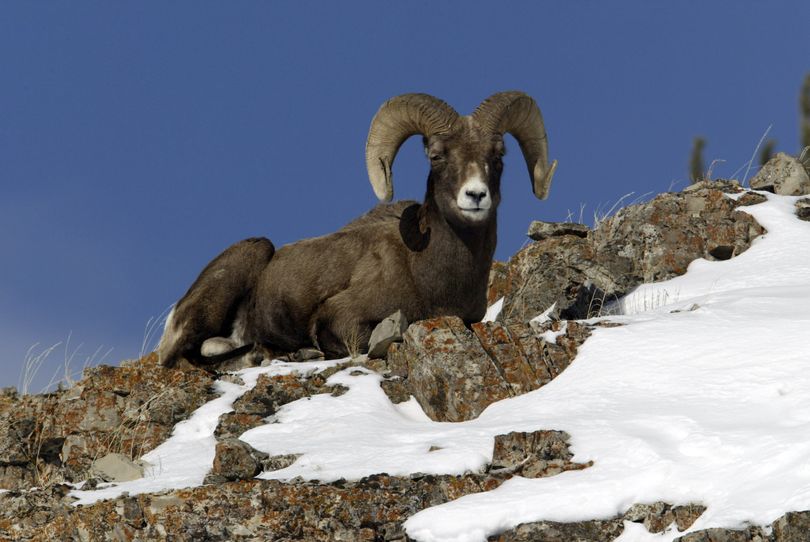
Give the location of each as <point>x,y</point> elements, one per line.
<point>426,259</point>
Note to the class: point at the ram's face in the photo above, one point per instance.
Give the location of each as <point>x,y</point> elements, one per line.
<point>466,175</point>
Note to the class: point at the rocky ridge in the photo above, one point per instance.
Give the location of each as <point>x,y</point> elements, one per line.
<point>48,441</point>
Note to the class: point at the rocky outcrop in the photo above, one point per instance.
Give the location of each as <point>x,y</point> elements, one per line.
<point>373,508</point>
<point>455,373</point>
<point>784,175</point>
<point>55,437</point>
<point>648,242</point>
<point>269,394</point>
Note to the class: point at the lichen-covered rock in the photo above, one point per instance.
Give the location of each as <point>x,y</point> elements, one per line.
<point>803,208</point>
<point>641,243</point>
<point>658,516</point>
<point>268,395</point>
<point>235,460</point>
<point>373,508</point>
<point>533,455</point>
<point>792,527</point>
<point>549,531</point>
<point>539,230</point>
<point>455,373</point>
<point>784,175</point>
<point>55,437</point>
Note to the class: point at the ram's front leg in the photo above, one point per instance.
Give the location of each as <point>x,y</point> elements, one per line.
<point>337,330</point>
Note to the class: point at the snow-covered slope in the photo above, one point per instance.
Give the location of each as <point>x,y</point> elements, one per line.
<point>702,396</point>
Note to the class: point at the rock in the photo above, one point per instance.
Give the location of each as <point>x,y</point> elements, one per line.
<point>455,373</point>
<point>278,462</point>
<point>373,508</point>
<point>658,516</point>
<point>14,435</point>
<point>498,284</point>
<point>549,531</point>
<point>792,527</point>
<point>641,243</point>
<point>116,467</point>
<point>386,332</point>
<point>268,395</point>
<point>729,186</point>
<point>803,209</point>
<point>784,175</point>
<point>539,230</point>
<point>235,460</point>
<point>128,409</point>
<point>533,455</point>
<point>751,534</point>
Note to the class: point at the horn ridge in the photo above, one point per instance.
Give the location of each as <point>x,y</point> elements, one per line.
<point>398,119</point>
<point>517,113</point>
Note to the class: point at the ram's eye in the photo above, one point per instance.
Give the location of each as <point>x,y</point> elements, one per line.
<point>434,157</point>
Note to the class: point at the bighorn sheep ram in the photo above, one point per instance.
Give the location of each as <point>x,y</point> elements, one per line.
<point>426,259</point>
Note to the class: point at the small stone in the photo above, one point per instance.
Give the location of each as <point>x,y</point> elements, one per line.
<point>803,209</point>
<point>278,462</point>
<point>539,230</point>
<point>235,460</point>
<point>116,468</point>
<point>390,330</point>
<point>784,175</point>
<point>728,186</point>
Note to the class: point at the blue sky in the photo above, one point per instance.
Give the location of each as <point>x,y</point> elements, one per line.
<point>138,140</point>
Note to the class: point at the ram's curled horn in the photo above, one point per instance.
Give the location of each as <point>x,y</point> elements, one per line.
<point>517,113</point>
<point>398,119</point>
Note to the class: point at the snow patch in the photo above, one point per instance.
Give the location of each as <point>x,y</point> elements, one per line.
<point>493,311</point>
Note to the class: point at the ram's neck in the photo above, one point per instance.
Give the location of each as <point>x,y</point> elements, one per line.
<point>453,267</point>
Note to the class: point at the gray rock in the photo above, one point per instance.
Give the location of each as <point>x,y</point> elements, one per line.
<point>116,467</point>
<point>102,412</point>
<point>724,185</point>
<point>278,462</point>
<point>539,230</point>
<point>649,242</point>
<point>783,174</point>
<point>235,460</point>
<point>14,435</point>
<point>388,331</point>
<point>455,373</point>
<point>533,455</point>
<point>803,209</point>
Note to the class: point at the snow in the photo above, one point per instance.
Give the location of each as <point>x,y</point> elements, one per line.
<point>493,311</point>
<point>700,397</point>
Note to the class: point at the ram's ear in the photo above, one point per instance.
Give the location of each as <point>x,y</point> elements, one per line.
<point>413,229</point>
<point>398,119</point>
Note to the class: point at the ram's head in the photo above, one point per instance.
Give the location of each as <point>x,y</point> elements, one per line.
<point>465,152</point>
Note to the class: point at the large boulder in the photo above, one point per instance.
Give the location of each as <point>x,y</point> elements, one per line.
<point>784,175</point>
<point>455,372</point>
